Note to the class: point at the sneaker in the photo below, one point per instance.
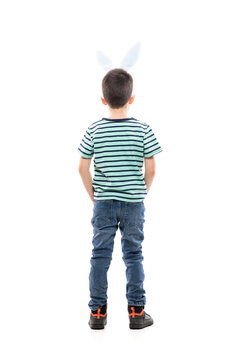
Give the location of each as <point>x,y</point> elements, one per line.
<point>138,318</point>
<point>98,318</point>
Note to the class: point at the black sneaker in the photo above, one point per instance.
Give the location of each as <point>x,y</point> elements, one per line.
<point>98,318</point>
<point>138,318</point>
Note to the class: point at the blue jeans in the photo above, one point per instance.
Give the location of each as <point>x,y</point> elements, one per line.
<point>108,215</point>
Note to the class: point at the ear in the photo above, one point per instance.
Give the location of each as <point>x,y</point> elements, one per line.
<point>131,57</point>
<point>103,101</point>
<point>104,61</point>
<point>131,99</point>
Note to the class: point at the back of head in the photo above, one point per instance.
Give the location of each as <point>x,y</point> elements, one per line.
<point>117,87</point>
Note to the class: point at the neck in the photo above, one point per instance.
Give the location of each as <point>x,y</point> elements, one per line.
<point>118,113</point>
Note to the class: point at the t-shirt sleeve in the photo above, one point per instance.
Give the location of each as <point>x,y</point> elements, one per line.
<point>150,143</point>
<point>86,145</point>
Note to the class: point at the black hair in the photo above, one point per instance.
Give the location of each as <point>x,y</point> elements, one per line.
<point>117,86</point>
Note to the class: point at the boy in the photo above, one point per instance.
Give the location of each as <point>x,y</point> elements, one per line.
<point>119,145</point>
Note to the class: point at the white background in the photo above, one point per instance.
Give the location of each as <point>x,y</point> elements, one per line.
<point>187,88</point>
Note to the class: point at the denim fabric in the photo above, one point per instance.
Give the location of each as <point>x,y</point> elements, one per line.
<point>108,216</point>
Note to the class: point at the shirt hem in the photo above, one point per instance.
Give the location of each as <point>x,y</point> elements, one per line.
<point>153,153</point>
<point>115,198</point>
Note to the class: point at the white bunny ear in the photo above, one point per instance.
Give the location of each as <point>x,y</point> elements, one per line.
<point>131,58</point>
<point>104,61</point>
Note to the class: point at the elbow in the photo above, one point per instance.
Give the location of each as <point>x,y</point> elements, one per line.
<point>80,170</point>
<point>152,171</point>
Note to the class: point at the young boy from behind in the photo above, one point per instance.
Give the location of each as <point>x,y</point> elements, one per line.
<point>120,145</point>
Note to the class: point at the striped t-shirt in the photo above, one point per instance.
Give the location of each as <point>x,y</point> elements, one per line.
<point>119,147</point>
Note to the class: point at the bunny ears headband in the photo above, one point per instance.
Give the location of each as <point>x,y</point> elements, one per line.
<point>128,61</point>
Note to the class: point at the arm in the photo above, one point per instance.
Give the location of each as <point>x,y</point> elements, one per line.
<point>150,170</point>
<point>84,165</point>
